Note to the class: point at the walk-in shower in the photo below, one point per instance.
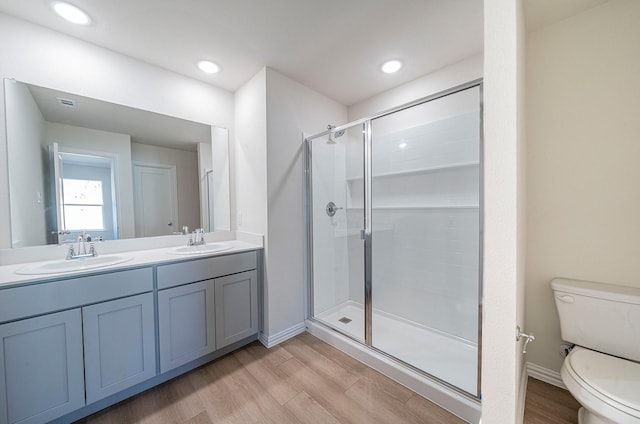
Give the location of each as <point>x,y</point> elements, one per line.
<point>394,211</point>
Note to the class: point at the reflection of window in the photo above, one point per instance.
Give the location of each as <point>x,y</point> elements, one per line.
<point>82,202</point>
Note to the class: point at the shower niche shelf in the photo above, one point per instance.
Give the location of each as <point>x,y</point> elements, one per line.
<point>417,171</point>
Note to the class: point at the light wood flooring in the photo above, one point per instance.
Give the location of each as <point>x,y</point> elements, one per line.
<point>548,404</point>
<point>302,380</point>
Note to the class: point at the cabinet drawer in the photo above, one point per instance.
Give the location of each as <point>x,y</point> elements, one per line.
<point>36,299</point>
<point>204,269</point>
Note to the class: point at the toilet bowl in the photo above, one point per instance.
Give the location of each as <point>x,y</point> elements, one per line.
<point>603,370</point>
<point>607,387</point>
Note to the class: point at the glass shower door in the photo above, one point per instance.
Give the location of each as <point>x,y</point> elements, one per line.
<point>335,163</point>
<point>425,185</point>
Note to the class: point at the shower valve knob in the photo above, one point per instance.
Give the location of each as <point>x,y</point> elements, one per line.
<point>332,209</point>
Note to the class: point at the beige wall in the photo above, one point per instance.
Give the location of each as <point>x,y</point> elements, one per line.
<point>583,138</point>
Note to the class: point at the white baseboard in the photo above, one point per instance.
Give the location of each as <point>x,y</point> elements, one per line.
<point>272,340</point>
<point>545,374</point>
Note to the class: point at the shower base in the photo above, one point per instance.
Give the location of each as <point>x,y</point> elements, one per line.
<point>448,358</point>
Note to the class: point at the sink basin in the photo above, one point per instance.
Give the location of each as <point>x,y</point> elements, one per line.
<point>60,266</point>
<point>201,249</point>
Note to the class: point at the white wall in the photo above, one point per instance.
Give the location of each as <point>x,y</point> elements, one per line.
<point>250,147</point>
<point>583,168</point>
<point>25,125</point>
<point>102,143</point>
<point>292,109</point>
<point>272,112</point>
<point>43,57</point>
<point>503,281</point>
<point>186,163</point>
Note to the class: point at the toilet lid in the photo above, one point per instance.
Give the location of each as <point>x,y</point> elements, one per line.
<point>615,378</point>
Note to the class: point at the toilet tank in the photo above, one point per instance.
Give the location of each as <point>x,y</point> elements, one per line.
<point>602,317</point>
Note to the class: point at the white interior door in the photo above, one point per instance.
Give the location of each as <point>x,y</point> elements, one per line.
<point>156,206</point>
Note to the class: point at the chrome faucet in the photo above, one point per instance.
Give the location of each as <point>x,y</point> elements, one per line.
<point>197,238</point>
<point>82,252</point>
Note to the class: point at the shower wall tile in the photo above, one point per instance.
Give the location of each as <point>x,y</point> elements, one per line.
<point>426,223</point>
<point>425,268</point>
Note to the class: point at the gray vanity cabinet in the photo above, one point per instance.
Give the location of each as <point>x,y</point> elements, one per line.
<point>70,346</point>
<point>186,323</point>
<point>204,305</point>
<point>41,367</point>
<point>236,307</point>
<point>119,345</point>
<point>45,362</point>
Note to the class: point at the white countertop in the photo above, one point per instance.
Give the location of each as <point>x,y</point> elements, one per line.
<point>146,257</point>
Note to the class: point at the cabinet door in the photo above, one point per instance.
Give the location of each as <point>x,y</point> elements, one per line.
<point>236,307</point>
<point>186,323</point>
<point>41,369</point>
<point>119,342</point>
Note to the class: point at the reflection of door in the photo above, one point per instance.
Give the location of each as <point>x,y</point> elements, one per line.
<point>155,189</point>
<point>54,210</point>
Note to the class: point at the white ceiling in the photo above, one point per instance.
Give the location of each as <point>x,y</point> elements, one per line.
<point>143,126</point>
<point>332,46</point>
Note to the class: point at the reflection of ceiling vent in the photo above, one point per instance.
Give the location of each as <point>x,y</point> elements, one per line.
<point>66,102</point>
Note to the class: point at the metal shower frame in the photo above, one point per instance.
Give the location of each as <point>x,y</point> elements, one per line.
<point>366,233</point>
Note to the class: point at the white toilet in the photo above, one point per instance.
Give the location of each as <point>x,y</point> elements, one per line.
<point>603,321</point>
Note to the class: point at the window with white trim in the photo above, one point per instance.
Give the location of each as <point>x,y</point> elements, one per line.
<point>83,204</point>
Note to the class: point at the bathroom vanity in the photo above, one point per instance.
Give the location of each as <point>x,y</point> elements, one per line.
<point>75,343</point>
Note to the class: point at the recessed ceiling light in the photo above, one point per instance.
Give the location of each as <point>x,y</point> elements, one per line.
<point>71,13</point>
<point>208,67</point>
<point>391,66</point>
<point>402,145</point>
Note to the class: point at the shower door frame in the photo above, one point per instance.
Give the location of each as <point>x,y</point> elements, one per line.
<point>367,230</point>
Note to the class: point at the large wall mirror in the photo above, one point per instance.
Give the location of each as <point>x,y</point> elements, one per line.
<point>80,164</point>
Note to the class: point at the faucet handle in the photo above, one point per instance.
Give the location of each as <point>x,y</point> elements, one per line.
<point>71,252</point>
